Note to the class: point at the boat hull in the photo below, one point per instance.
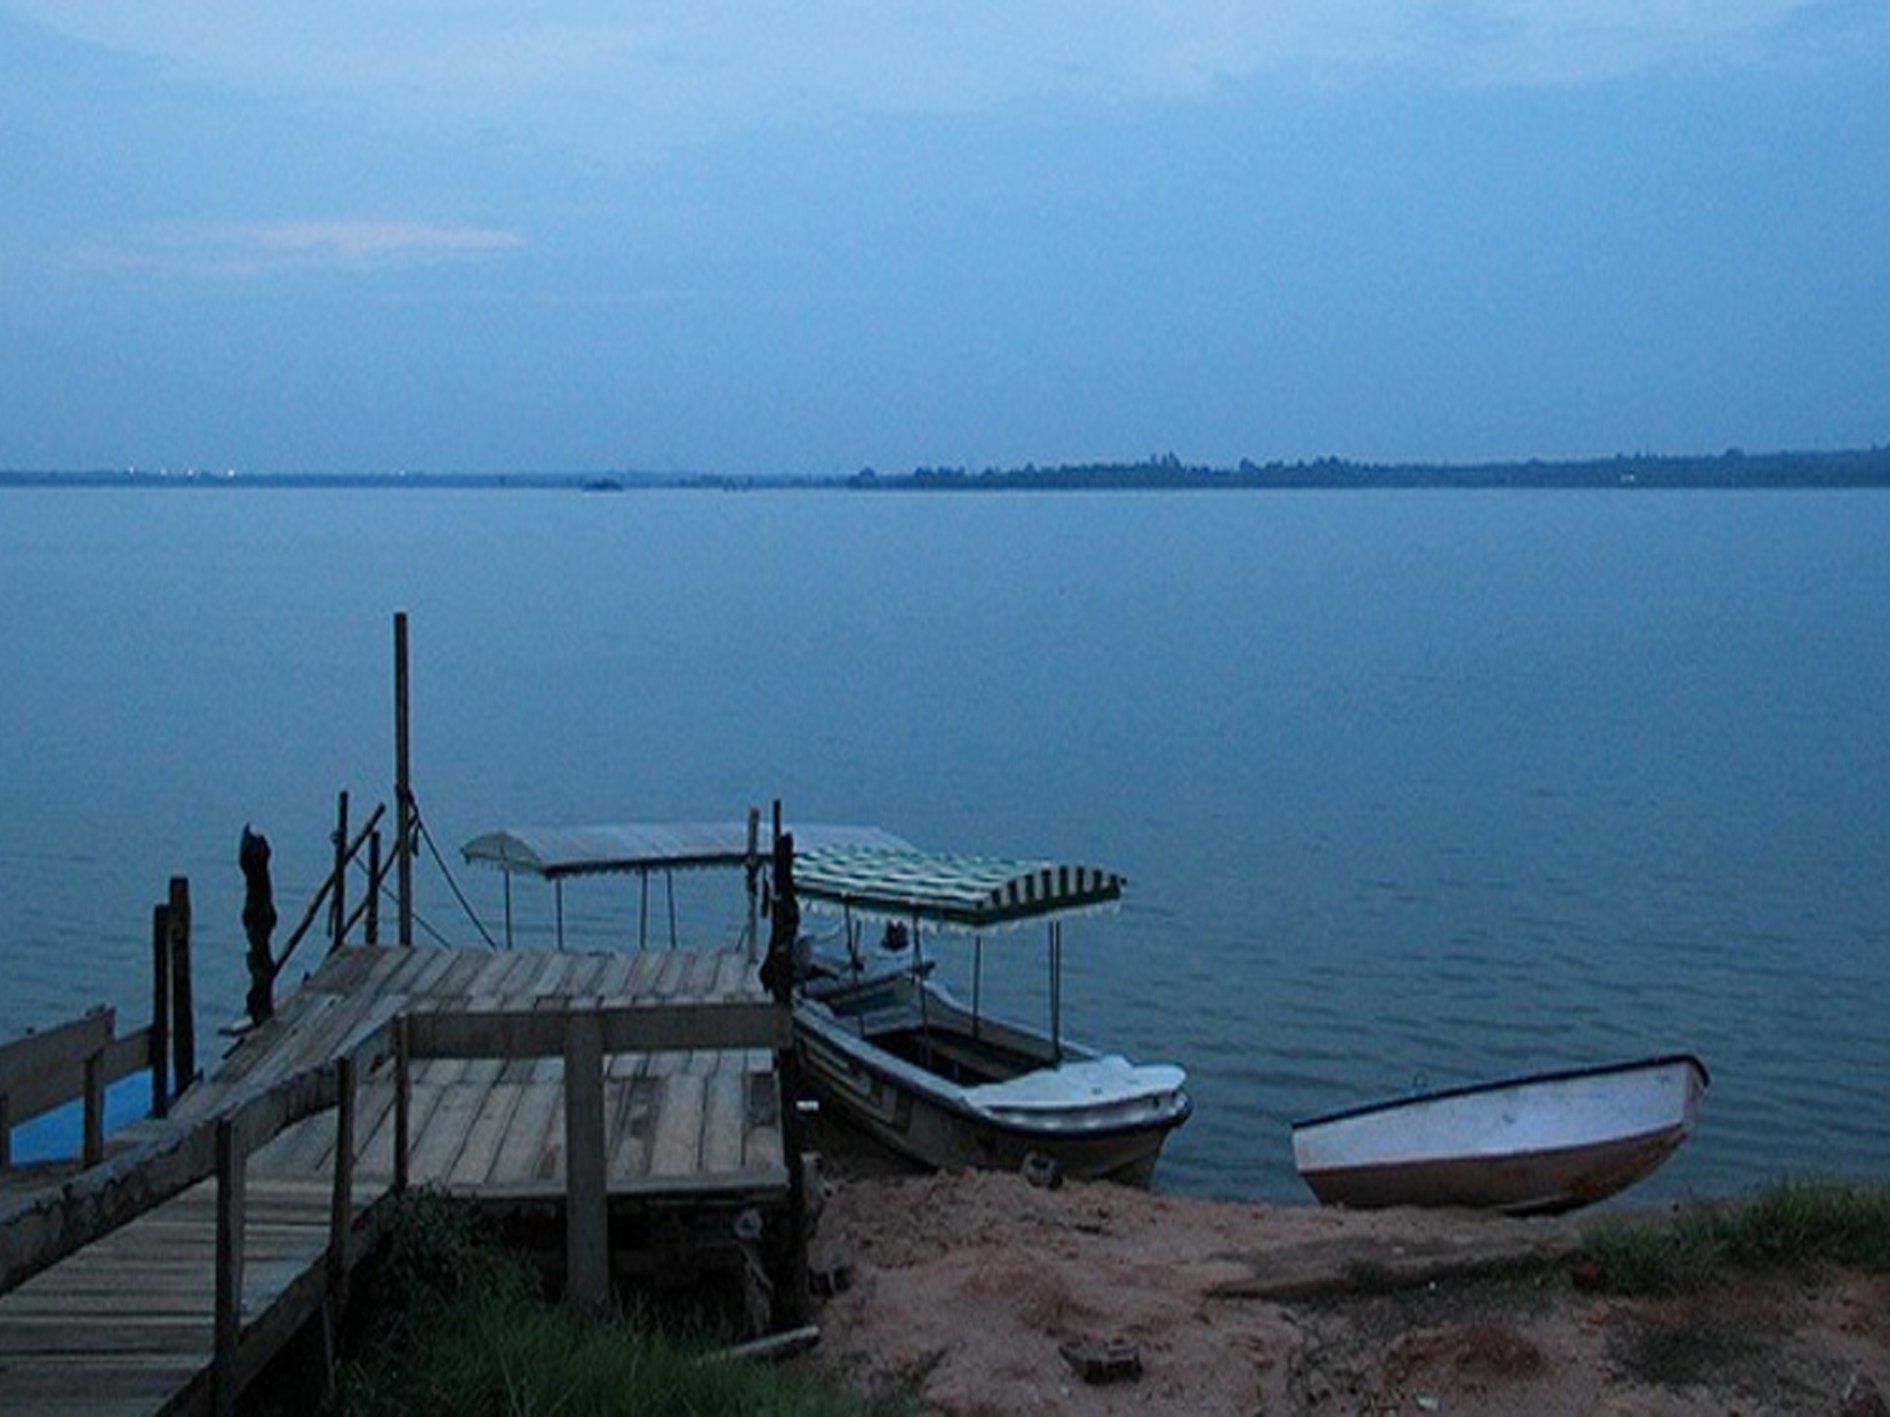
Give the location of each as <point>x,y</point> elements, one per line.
<point>1527,1146</point>
<point>931,1122</point>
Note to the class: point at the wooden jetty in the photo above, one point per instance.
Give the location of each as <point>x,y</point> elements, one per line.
<point>633,1099</point>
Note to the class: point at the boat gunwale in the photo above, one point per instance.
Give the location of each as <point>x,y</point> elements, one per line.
<point>949,1096</point>
<point>1410,1099</point>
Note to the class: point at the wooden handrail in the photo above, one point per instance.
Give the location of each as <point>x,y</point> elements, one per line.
<point>56,1223</point>
<point>79,1059</point>
<point>328,884</point>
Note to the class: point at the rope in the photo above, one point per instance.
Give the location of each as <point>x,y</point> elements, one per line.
<point>420,823</point>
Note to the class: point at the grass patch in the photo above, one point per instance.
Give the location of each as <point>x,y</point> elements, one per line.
<point>449,1323</point>
<point>1790,1224</point>
<point>1700,1350</point>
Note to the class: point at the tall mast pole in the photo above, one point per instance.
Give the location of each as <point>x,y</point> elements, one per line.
<point>403,781</point>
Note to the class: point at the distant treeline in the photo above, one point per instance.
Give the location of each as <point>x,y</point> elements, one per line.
<point>1166,472</point>
<point>1163,472</point>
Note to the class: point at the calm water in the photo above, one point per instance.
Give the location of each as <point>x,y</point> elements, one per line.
<point>1410,788</point>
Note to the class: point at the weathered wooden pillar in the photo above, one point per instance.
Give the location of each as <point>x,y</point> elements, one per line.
<point>341,1209</point>
<point>160,1008</point>
<point>586,1205</point>
<point>259,923</point>
<point>231,1186</point>
<point>371,928</point>
<point>92,1148</point>
<point>403,1100</point>
<point>777,976</point>
<point>183,1007</point>
<point>338,906</point>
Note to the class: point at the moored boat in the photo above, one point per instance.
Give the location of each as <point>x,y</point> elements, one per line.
<point>940,1081</point>
<point>1538,1144</point>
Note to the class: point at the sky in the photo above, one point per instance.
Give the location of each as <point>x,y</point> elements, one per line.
<point>757,239</point>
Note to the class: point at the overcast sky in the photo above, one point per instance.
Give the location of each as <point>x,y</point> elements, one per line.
<point>368,235</point>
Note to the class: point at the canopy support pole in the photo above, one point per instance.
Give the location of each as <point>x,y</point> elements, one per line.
<point>669,889</point>
<point>557,891</point>
<point>643,910</point>
<point>1056,991</point>
<point>508,907</point>
<point>977,978</point>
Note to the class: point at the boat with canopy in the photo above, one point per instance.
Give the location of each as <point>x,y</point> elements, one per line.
<point>940,1080</point>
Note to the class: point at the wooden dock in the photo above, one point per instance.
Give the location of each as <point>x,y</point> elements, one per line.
<point>633,1097</point>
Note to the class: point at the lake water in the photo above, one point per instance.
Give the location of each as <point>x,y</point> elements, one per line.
<point>1411,788</point>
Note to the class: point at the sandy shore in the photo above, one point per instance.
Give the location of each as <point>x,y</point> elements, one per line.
<point>965,1289</point>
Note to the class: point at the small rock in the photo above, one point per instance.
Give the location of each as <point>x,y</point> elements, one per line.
<point>1862,1399</point>
<point>1102,1362</point>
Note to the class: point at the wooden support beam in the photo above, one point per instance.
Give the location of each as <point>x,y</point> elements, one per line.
<point>403,1099</point>
<point>586,1215</point>
<point>636,1028</point>
<point>341,1208</point>
<point>183,1007</point>
<point>92,1147</point>
<point>338,906</point>
<point>231,1180</point>
<point>160,1008</point>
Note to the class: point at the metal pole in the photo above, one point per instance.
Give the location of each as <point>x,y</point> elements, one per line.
<point>403,781</point>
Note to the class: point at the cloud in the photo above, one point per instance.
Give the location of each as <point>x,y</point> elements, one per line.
<point>711,58</point>
<point>260,247</point>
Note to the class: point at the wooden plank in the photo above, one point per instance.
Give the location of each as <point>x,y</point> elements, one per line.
<point>485,1134</point>
<point>521,1155</point>
<point>676,1145</point>
<point>437,1145</point>
<point>633,1128</point>
<point>458,979</point>
<point>724,1121</point>
<point>649,968</point>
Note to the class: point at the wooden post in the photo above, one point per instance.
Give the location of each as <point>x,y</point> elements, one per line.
<point>338,906</point>
<point>586,1212</point>
<point>229,1312</point>
<point>160,1008</point>
<point>403,1101</point>
<point>753,870</point>
<point>6,1130</point>
<point>92,1150</point>
<point>372,928</point>
<point>341,1211</point>
<point>777,976</point>
<point>183,1010</point>
<point>259,923</point>
<point>403,781</point>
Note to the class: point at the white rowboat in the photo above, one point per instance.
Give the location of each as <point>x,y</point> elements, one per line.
<point>1528,1145</point>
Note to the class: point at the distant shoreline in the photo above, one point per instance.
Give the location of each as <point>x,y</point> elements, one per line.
<point>1731,470</point>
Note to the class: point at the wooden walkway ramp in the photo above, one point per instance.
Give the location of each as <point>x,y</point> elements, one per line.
<point>597,1086</point>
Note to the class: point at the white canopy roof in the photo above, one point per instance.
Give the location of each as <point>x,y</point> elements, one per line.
<point>555,852</point>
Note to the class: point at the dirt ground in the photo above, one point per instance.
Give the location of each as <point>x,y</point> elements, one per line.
<point>963,1291</point>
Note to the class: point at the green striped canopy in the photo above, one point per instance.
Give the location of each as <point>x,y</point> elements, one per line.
<point>967,892</point>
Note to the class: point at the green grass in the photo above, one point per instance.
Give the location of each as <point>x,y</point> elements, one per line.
<point>1790,1224</point>
<point>451,1324</point>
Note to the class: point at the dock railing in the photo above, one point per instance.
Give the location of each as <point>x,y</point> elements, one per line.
<point>44,1071</point>
<point>59,1221</point>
